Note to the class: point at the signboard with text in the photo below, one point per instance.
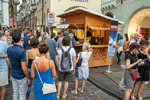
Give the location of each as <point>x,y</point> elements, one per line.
<point>112,38</point>
<point>51,17</point>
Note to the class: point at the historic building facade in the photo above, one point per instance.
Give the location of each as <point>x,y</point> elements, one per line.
<point>134,13</point>
<point>41,8</point>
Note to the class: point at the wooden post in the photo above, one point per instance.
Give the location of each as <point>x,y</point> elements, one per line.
<point>85,29</point>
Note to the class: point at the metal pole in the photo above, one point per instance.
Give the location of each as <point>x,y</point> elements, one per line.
<point>108,71</point>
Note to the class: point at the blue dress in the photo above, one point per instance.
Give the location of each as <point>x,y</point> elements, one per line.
<point>46,78</point>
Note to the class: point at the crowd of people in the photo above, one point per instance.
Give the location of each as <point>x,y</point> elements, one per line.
<point>134,58</point>
<point>26,55</point>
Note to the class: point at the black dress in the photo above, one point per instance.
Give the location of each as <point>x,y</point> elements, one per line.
<point>143,70</point>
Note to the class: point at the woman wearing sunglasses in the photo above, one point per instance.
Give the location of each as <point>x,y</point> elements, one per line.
<point>142,53</point>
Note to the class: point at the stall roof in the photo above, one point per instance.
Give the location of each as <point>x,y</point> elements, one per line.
<point>82,10</point>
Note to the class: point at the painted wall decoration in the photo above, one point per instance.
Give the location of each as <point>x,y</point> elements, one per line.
<point>100,54</point>
<point>112,38</point>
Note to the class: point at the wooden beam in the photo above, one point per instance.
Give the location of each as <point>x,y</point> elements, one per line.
<point>85,29</point>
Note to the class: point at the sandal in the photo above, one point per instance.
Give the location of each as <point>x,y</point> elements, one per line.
<point>132,98</point>
<point>140,98</point>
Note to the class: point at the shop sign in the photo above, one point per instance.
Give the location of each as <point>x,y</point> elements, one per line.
<point>51,17</point>
<point>112,38</point>
<point>11,22</point>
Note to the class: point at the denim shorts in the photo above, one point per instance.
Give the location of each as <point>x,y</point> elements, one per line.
<point>76,73</point>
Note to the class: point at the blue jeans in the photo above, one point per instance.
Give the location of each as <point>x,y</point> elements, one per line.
<point>119,56</point>
<point>29,86</point>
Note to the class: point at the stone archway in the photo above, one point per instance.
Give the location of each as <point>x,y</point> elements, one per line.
<point>140,22</point>
<point>110,14</point>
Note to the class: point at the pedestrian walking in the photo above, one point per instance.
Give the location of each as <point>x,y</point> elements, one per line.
<point>120,49</point>
<point>123,64</point>
<point>126,38</point>
<point>131,64</point>
<point>2,32</point>
<point>40,36</point>
<point>59,42</point>
<point>82,71</point>
<point>6,34</point>
<point>73,41</point>
<point>66,62</point>
<point>52,47</point>
<point>30,56</point>
<point>9,41</point>
<point>19,73</point>
<point>59,34</point>
<point>26,40</point>
<point>3,69</point>
<point>43,71</point>
<point>136,38</point>
<point>142,53</point>
<point>148,39</point>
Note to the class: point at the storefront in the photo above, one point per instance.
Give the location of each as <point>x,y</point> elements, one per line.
<point>84,22</point>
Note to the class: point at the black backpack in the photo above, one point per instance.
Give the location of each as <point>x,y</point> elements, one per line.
<point>80,60</point>
<point>66,64</point>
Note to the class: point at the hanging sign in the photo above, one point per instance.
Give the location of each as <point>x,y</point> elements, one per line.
<point>11,22</point>
<point>112,38</point>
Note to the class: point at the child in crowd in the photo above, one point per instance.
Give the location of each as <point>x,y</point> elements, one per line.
<point>82,72</point>
<point>9,41</point>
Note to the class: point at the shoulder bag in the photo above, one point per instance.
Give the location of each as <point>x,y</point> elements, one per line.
<point>80,60</point>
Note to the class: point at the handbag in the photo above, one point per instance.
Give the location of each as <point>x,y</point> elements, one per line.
<point>80,60</point>
<point>47,88</point>
<point>135,74</point>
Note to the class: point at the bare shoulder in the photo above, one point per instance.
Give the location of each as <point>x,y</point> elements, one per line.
<point>52,63</point>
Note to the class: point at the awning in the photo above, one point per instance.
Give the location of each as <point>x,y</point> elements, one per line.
<point>62,26</point>
<point>98,27</point>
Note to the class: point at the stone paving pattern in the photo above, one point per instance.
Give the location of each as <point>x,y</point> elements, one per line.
<point>90,93</point>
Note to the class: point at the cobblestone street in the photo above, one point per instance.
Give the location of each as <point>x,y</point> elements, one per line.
<point>90,93</point>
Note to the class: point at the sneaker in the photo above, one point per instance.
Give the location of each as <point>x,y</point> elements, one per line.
<point>57,97</point>
<point>146,82</point>
<point>74,92</point>
<point>64,96</point>
<point>81,91</point>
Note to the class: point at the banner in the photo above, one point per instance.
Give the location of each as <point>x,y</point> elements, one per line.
<point>11,22</point>
<point>112,38</point>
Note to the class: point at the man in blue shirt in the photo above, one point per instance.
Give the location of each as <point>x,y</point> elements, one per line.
<point>19,72</point>
<point>3,69</point>
<point>26,40</point>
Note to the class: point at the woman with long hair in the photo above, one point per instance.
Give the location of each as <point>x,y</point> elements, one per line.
<point>30,56</point>
<point>126,38</point>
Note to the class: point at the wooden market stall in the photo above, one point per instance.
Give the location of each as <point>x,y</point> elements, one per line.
<point>99,27</point>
